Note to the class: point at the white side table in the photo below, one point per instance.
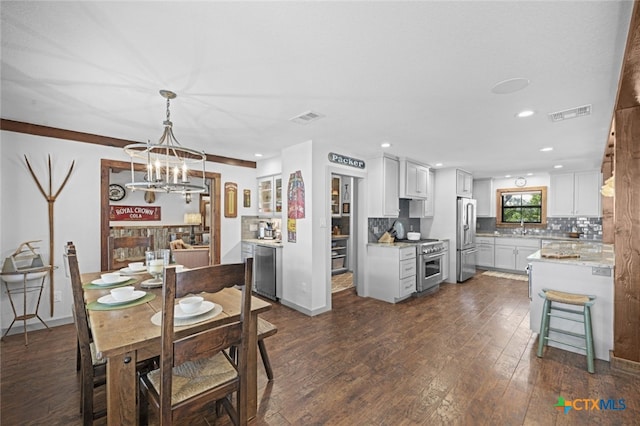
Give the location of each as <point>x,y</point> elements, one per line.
<point>24,276</point>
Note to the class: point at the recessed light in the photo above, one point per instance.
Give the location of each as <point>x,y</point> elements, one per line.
<point>546,149</point>
<point>385,144</point>
<point>257,154</point>
<point>557,166</point>
<point>509,86</point>
<point>525,113</point>
<point>438,164</point>
<point>507,176</point>
<point>529,174</point>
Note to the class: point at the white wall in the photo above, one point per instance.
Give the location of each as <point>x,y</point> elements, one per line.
<point>23,210</point>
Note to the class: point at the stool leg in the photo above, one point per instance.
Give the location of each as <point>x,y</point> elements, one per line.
<point>544,327</point>
<point>588,333</point>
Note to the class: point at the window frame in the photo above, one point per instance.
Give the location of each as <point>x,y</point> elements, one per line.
<point>543,203</point>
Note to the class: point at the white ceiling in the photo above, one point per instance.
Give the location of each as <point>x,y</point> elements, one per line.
<point>416,74</point>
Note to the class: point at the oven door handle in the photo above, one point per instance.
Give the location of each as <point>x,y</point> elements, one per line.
<point>432,256</point>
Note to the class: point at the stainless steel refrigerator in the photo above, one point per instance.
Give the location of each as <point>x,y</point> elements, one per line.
<point>466,239</point>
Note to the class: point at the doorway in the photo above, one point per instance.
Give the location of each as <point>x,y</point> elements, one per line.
<point>342,249</point>
<point>345,274</point>
<point>213,211</point>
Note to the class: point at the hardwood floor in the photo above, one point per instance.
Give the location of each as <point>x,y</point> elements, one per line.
<point>464,355</point>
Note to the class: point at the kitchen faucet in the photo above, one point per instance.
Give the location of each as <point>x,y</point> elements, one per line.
<point>523,231</point>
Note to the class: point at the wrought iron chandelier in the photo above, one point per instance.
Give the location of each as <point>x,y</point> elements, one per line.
<point>170,167</point>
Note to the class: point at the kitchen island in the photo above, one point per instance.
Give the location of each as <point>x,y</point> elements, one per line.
<point>575,267</point>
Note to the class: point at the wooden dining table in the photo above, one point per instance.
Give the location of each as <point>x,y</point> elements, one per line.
<point>125,336</point>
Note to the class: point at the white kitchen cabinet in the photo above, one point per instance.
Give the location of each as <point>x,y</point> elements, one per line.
<point>483,193</point>
<point>486,256</point>
<point>414,180</point>
<point>511,253</point>
<point>391,272</point>
<point>575,194</point>
<point>425,208</point>
<point>464,184</point>
<point>382,186</point>
<point>270,195</point>
<point>336,199</point>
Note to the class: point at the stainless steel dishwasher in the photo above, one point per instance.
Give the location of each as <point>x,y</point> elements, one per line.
<point>264,271</point>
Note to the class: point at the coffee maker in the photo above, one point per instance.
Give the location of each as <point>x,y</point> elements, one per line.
<point>268,231</point>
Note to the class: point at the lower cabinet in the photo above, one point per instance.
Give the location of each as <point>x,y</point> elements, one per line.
<point>486,256</point>
<point>511,253</point>
<point>391,272</point>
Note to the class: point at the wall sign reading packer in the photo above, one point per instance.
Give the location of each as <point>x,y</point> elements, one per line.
<point>347,161</point>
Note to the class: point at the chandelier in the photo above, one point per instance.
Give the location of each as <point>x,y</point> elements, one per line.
<point>170,167</point>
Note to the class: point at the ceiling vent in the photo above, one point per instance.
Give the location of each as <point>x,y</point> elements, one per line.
<point>580,111</point>
<point>306,117</point>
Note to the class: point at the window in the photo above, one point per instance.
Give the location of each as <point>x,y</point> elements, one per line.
<point>522,205</point>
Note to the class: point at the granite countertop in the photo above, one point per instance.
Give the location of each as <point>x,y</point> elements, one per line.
<point>533,236</point>
<point>394,244</point>
<point>270,243</point>
<point>576,253</point>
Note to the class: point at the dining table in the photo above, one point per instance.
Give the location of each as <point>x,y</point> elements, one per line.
<point>125,334</point>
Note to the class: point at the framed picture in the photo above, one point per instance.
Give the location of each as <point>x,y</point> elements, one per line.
<point>345,208</point>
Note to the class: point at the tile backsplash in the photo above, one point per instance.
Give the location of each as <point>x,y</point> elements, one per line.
<point>590,227</point>
<point>378,226</point>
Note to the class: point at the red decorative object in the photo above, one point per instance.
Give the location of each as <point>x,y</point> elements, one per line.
<point>133,213</point>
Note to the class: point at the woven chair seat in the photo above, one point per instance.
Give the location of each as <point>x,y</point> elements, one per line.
<point>194,377</point>
<point>569,298</point>
<point>265,328</point>
<point>94,355</point>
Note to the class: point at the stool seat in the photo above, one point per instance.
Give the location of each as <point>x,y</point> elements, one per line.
<point>569,298</point>
<point>581,316</point>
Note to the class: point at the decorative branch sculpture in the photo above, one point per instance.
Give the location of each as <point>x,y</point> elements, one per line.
<point>51,198</point>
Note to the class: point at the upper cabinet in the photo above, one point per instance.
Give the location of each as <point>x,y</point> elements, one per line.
<point>270,195</point>
<point>335,195</point>
<point>483,193</point>
<point>425,208</point>
<point>464,184</point>
<point>414,179</point>
<point>382,187</point>
<point>575,194</point>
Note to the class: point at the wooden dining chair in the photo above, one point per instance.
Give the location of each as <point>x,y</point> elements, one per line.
<point>265,329</point>
<point>93,371</point>
<point>131,243</point>
<point>195,370</point>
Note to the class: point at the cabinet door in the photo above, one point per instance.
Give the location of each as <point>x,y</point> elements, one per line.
<point>485,255</point>
<point>335,196</point>
<point>521,257</point>
<point>561,195</point>
<point>429,204</point>
<point>390,187</point>
<point>278,198</point>
<point>482,191</point>
<point>416,177</point>
<point>265,195</point>
<point>464,183</point>
<point>587,194</point>
<point>505,257</point>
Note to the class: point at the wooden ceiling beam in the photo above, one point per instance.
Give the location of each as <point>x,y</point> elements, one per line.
<point>53,132</point>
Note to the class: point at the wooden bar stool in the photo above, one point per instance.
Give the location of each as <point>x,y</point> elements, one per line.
<point>582,316</point>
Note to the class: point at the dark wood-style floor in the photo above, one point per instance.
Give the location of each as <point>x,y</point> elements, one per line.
<point>464,355</point>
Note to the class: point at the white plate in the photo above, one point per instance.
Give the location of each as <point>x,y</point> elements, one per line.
<point>118,281</point>
<point>129,271</point>
<point>109,300</point>
<point>204,308</point>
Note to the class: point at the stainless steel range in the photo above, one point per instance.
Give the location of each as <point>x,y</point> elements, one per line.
<point>430,265</point>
